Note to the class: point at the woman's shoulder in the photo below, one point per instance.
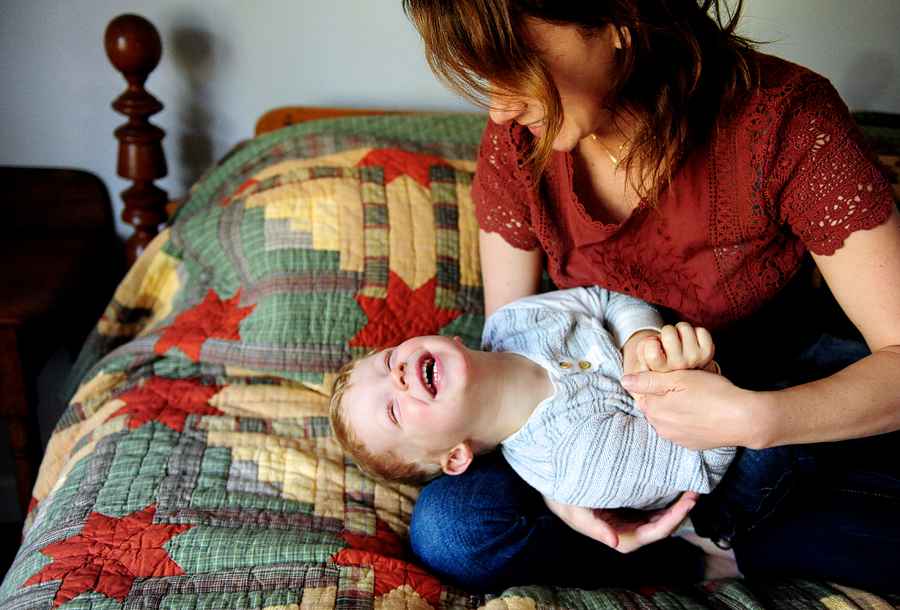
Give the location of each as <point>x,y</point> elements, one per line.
<point>786,101</point>
<point>776,73</point>
<point>786,89</point>
<point>782,87</point>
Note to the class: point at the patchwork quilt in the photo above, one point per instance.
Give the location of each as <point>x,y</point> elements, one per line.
<point>194,467</point>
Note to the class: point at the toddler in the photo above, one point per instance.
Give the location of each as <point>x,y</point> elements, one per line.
<point>545,389</point>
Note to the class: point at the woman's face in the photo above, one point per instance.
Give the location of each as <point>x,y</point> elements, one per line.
<point>582,68</point>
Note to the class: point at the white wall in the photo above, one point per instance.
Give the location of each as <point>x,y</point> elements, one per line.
<point>855,44</point>
<point>225,62</point>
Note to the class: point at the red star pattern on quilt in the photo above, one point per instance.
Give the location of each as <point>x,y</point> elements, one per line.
<point>109,555</point>
<point>169,401</point>
<point>404,314</point>
<point>384,542</point>
<point>213,318</point>
<point>400,162</point>
<point>383,552</point>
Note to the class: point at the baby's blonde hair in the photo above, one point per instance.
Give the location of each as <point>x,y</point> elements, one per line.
<point>384,465</point>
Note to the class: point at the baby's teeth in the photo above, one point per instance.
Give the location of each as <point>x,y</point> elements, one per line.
<point>428,382</point>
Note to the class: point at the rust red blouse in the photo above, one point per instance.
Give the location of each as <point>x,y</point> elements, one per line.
<point>788,171</point>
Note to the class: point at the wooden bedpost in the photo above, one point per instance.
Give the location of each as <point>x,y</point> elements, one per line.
<point>134,48</point>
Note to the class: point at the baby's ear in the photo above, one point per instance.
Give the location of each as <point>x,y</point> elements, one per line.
<point>457,459</point>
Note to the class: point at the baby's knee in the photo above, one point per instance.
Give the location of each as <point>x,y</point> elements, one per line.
<point>460,524</point>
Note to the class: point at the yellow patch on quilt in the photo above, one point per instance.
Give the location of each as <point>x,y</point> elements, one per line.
<point>60,458</point>
<point>309,206</point>
<point>347,158</point>
<point>159,289</point>
<point>411,214</point>
<point>236,371</point>
<point>361,578</point>
<point>357,521</point>
<point>96,388</point>
<point>856,598</point>
<point>294,470</point>
<point>318,598</point>
<point>292,463</point>
<point>150,284</point>
<point>269,402</point>
<point>394,504</point>
<point>469,261</point>
<point>351,221</point>
<point>217,424</point>
<point>329,501</point>
<point>401,598</point>
<point>510,603</point>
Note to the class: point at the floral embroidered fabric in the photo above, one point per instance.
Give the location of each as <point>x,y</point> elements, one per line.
<point>787,171</point>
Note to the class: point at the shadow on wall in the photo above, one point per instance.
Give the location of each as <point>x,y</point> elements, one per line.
<point>194,55</point>
<point>872,75</point>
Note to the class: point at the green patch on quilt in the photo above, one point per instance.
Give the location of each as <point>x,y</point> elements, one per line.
<point>237,600</point>
<point>176,366</point>
<point>671,600</point>
<point>203,548</point>
<point>140,464</point>
<point>467,327</point>
<point>327,319</point>
<point>93,601</point>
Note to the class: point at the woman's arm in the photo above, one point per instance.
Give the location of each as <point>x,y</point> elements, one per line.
<point>864,398</point>
<point>700,411</point>
<point>507,272</point>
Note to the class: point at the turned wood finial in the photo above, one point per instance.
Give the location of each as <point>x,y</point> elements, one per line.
<point>134,48</point>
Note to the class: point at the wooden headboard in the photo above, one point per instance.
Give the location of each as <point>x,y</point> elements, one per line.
<point>134,47</point>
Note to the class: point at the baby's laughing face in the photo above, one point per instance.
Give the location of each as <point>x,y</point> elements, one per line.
<point>413,400</point>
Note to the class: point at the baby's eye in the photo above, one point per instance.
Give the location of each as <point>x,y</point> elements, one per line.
<point>391,413</point>
<point>387,359</point>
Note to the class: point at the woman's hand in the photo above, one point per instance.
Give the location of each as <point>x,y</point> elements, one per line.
<point>699,410</point>
<point>625,530</point>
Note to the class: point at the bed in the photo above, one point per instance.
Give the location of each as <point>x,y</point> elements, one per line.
<point>194,466</point>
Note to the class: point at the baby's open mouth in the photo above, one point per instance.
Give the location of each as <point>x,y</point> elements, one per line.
<point>428,375</point>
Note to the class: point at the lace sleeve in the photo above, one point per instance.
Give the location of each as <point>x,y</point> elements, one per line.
<point>502,188</point>
<point>825,180</point>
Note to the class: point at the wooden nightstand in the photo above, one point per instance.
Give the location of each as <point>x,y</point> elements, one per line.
<point>59,262</point>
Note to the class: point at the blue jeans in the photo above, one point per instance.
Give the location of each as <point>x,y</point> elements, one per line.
<point>826,511</point>
<point>487,530</point>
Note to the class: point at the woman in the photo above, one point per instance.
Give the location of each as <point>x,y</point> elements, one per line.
<point>644,147</point>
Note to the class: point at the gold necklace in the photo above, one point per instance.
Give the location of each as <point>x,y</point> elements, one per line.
<point>616,162</point>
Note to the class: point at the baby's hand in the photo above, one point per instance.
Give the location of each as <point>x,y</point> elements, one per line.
<point>630,351</point>
<point>676,348</point>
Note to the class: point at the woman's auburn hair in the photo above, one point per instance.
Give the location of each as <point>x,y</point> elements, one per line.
<point>683,66</point>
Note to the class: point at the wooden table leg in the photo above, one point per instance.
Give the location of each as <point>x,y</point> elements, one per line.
<point>21,421</point>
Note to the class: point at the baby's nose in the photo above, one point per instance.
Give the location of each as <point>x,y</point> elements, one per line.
<point>398,373</point>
